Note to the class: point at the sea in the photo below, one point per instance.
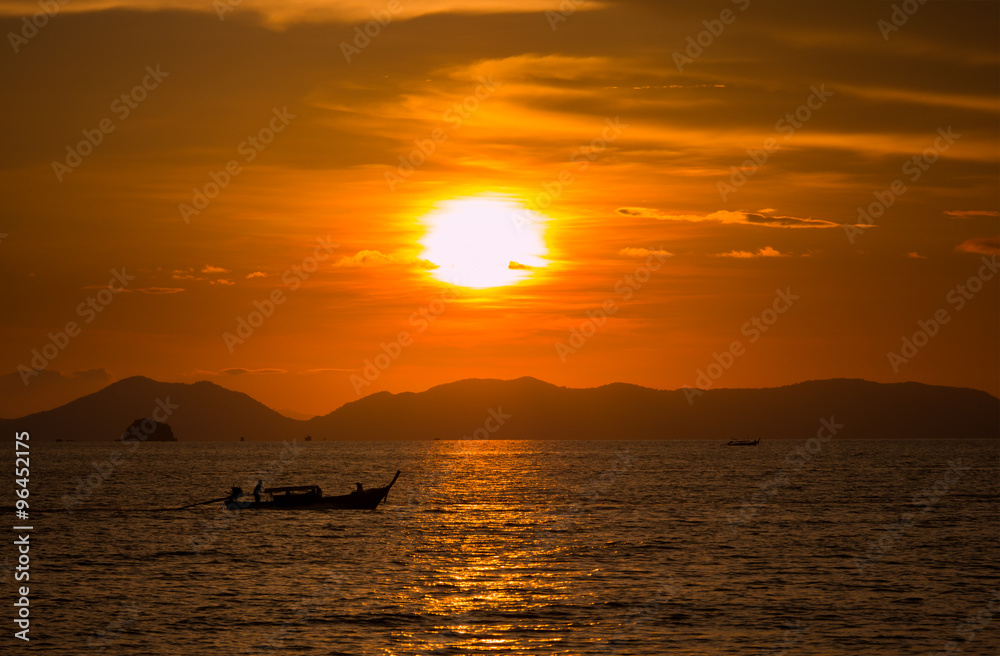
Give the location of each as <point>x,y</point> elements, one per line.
<point>515,547</point>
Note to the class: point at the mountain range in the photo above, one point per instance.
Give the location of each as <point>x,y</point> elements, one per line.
<point>527,408</point>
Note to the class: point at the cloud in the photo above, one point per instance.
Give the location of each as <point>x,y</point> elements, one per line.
<point>237,371</point>
<point>370,258</point>
<point>980,246</point>
<point>762,218</point>
<point>256,274</point>
<point>533,67</point>
<point>754,218</point>
<point>366,258</point>
<point>643,252</point>
<point>767,251</point>
<point>915,255</point>
<point>287,12</point>
<point>188,274</point>
<point>970,214</point>
<point>975,102</point>
<point>161,290</point>
<point>519,266</point>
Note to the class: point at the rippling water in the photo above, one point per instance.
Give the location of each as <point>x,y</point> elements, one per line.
<point>614,547</point>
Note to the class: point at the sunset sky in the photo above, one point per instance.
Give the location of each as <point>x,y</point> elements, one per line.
<point>600,147</point>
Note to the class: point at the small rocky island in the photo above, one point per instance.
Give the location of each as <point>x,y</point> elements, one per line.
<point>148,430</point>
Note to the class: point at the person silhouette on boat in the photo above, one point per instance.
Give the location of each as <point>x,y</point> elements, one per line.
<point>360,490</point>
<point>235,494</point>
<point>257,491</point>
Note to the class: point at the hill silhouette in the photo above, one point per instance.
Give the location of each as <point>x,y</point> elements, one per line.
<point>539,410</point>
<point>194,411</point>
<point>527,408</point>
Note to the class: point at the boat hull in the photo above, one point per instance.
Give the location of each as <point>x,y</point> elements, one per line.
<point>366,500</point>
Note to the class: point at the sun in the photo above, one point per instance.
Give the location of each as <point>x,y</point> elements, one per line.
<point>489,240</point>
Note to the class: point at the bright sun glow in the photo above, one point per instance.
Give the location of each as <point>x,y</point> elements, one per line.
<point>481,241</point>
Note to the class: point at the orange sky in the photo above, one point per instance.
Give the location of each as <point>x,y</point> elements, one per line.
<point>604,118</point>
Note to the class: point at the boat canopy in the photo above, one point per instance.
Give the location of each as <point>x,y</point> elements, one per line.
<point>293,488</point>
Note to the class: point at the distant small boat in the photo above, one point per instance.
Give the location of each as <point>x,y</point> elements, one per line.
<point>309,497</point>
<point>743,442</point>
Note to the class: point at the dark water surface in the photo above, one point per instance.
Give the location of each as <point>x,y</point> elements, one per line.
<point>612,547</point>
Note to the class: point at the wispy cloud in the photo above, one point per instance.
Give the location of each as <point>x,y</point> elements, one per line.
<point>161,290</point>
<point>767,251</point>
<point>236,371</point>
<point>643,252</point>
<point>280,14</point>
<point>762,218</point>
<point>980,245</point>
<point>372,258</point>
<point>971,214</point>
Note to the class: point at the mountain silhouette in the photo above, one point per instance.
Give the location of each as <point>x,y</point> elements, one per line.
<point>527,408</point>
<point>200,411</point>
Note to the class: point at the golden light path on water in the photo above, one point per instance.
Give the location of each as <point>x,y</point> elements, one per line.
<point>488,240</point>
<point>524,547</point>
